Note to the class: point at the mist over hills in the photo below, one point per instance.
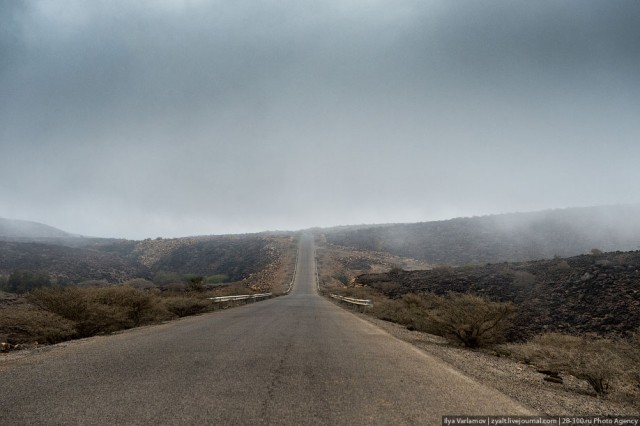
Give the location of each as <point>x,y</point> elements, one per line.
<point>25,230</point>
<point>488,239</point>
<point>499,238</point>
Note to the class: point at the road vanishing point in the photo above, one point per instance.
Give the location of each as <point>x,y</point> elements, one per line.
<point>293,360</point>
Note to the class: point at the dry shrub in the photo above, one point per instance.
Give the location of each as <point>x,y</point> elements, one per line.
<point>468,319</point>
<point>600,362</point>
<point>235,289</point>
<point>93,283</point>
<point>140,307</point>
<point>183,306</point>
<point>140,283</point>
<point>176,287</point>
<point>411,310</point>
<point>24,324</point>
<point>101,310</point>
<point>471,320</point>
<point>77,305</point>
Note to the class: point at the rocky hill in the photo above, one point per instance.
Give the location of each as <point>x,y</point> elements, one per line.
<point>235,257</point>
<point>498,238</point>
<point>68,264</point>
<point>598,293</point>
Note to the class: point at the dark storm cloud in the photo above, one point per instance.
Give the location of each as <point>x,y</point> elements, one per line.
<point>174,117</point>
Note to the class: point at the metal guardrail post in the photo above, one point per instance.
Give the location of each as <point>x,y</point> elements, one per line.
<point>254,297</point>
<point>365,303</point>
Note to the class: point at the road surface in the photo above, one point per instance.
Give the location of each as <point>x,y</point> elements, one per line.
<point>296,359</point>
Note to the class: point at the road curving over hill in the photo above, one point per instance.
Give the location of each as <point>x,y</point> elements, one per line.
<point>297,359</point>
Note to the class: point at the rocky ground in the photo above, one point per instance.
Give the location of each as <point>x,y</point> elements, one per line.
<point>341,265</point>
<point>597,293</point>
<point>277,274</point>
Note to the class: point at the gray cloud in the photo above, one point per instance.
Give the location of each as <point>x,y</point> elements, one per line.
<point>183,117</point>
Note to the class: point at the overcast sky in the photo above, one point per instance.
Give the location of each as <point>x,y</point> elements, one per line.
<point>169,118</point>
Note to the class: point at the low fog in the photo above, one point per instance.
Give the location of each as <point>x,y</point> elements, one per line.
<point>176,117</point>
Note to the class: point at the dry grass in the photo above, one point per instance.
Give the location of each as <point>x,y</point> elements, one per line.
<point>25,324</point>
<point>467,319</point>
<point>101,310</point>
<point>604,364</point>
<point>51,315</point>
<point>411,310</point>
<point>183,306</point>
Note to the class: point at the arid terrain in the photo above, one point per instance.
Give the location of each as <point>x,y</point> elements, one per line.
<point>584,306</point>
<point>595,295</point>
<point>54,292</point>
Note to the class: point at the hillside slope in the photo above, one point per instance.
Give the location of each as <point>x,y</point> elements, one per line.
<point>68,264</point>
<point>500,238</point>
<point>236,257</point>
<point>583,294</point>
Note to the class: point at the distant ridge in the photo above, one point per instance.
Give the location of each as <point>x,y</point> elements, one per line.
<point>499,238</point>
<point>26,230</point>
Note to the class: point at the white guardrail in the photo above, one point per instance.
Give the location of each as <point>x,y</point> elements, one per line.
<point>365,303</point>
<point>240,297</point>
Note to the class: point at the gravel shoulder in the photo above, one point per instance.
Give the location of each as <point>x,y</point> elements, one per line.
<point>517,380</point>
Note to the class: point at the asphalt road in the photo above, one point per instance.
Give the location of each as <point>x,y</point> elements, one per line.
<point>296,359</point>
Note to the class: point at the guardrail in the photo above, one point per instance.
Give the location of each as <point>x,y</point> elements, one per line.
<point>239,297</point>
<point>365,303</point>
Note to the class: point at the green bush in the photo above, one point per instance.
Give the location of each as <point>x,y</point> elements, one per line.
<point>23,281</point>
<point>196,284</point>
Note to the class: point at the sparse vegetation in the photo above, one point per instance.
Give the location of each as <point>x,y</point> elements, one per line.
<point>21,324</point>
<point>101,310</point>
<point>467,319</point>
<point>471,320</point>
<point>54,314</point>
<point>22,281</point>
<point>576,295</point>
<point>196,284</point>
<point>183,306</point>
<point>600,362</point>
